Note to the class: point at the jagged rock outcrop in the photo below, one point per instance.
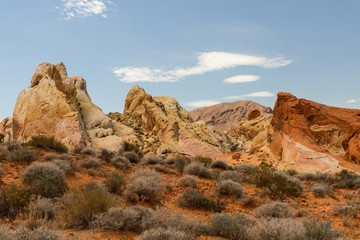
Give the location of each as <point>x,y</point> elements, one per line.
<point>163,120</point>
<point>58,105</point>
<point>310,136</point>
<point>222,116</point>
<point>242,124</point>
<point>6,133</point>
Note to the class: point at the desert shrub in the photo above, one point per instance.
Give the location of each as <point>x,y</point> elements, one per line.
<point>2,171</point>
<point>6,234</point>
<point>81,206</point>
<point>291,172</point>
<point>88,151</point>
<point>246,172</point>
<point>163,234</point>
<point>180,162</point>
<point>230,188</point>
<point>14,199</point>
<point>220,164</point>
<point>91,163</point>
<point>321,190</point>
<point>274,210</point>
<point>120,162</point>
<point>315,229</point>
<point>68,167</point>
<point>277,229</point>
<point>106,155</point>
<point>22,155</point>
<point>4,153</point>
<point>162,217</point>
<point>152,159</point>
<point>234,227</point>
<point>188,181</point>
<point>77,150</point>
<point>278,185</point>
<point>133,157</point>
<point>12,145</point>
<point>198,169</point>
<point>206,161</point>
<point>161,168</point>
<point>45,179</point>
<point>230,175</point>
<point>319,177</point>
<point>347,210</point>
<point>40,233</point>
<point>144,185</point>
<point>249,201</point>
<point>193,198</point>
<point>131,147</point>
<point>115,183</point>
<point>48,143</point>
<point>347,179</point>
<point>130,219</point>
<point>43,208</point>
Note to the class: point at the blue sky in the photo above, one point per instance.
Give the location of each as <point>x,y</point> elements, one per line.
<point>200,52</point>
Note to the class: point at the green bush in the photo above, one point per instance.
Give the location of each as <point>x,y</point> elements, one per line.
<point>133,157</point>
<point>219,164</point>
<point>45,179</point>
<point>106,155</point>
<point>14,199</point>
<point>198,169</point>
<point>234,227</point>
<point>163,234</point>
<point>278,185</point>
<point>48,143</point>
<point>115,183</point>
<point>193,198</point>
<point>347,179</point>
<point>144,185</point>
<point>82,205</point>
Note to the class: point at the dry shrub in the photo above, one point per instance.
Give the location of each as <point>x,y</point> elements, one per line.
<point>106,155</point>
<point>230,188</point>
<point>198,169</point>
<point>144,185</point>
<point>81,206</point>
<point>234,227</point>
<point>219,164</point>
<point>133,157</point>
<point>22,155</point>
<point>92,163</point>
<point>321,190</point>
<point>152,159</point>
<point>45,179</point>
<point>230,175</point>
<point>115,183</point>
<point>48,143</point>
<point>120,162</point>
<point>67,166</point>
<point>274,210</point>
<point>193,198</point>
<point>14,199</point>
<point>188,181</point>
<point>163,234</point>
<point>180,162</point>
<point>88,151</point>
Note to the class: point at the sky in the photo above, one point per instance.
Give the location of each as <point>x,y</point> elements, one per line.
<point>200,52</point>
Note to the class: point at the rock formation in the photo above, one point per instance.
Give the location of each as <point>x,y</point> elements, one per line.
<point>242,124</point>
<point>164,123</point>
<point>311,136</point>
<point>58,105</point>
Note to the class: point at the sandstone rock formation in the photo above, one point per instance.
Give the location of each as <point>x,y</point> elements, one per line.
<point>167,126</point>
<point>242,124</point>
<point>311,136</point>
<point>58,105</point>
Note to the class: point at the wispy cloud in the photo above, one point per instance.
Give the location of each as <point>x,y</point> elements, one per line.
<point>251,95</point>
<point>202,103</point>
<point>352,101</point>
<point>206,62</point>
<point>84,8</point>
<point>242,79</point>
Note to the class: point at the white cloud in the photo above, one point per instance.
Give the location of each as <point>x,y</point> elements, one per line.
<point>351,101</point>
<point>84,8</point>
<point>242,79</point>
<point>260,94</point>
<point>202,103</point>
<point>207,62</point>
<point>254,95</point>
